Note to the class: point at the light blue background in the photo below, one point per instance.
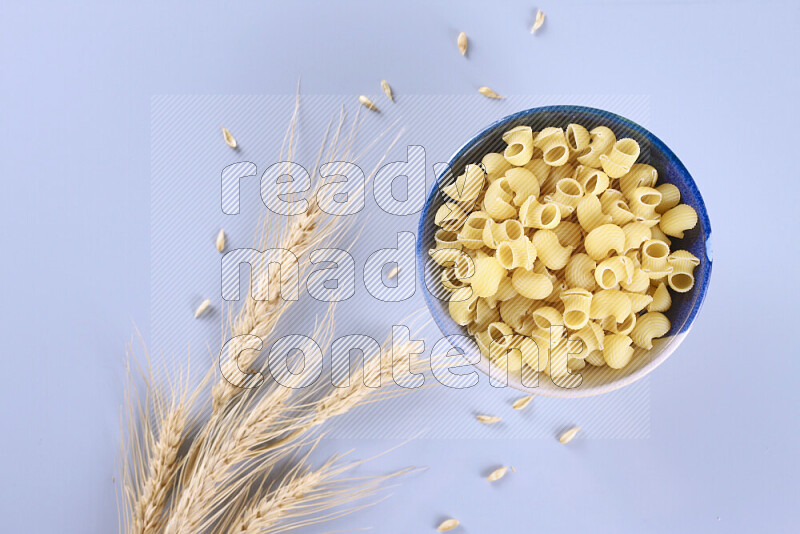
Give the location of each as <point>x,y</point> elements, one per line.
<point>76,82</point>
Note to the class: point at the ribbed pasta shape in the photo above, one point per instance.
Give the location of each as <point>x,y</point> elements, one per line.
<point>636,233</point>
<point>471,234</point>
<point>578,138</point>
<point>495,233</point>
<point>496,165</point>
<point>505,291</point>
<point>614,204</point>
<point>610,303</point>
<point>595,358</point>
<point>569,234</point>
<point>579,272</point>
<point>577,303</point>
<point>462,305</point>
<point>446,256</point>
<point>533,355</point>
<point>617,351</point>
<point>590,213</point>
<point>602,139</point>
<point>532,214</point>
<point>622,327</point>
<point>450,281</point>
<point>683,262</point>
<point>662,301</point>
<point>676,221</point>
<point>670,197</point>
<point>546,316</point>
<point>612,272</point>
<point>640,175</point>
<point>548,249</point>
<point>593,181</point>
<point>488,274</point>
<point>659,235</point>
<point>568,192</point>
<point>601,241</point>
<point>639,301</point>
<point>620,158</point>
<point>531,285</point>
<point>446,239</point>
<point>468,185</point>
<point>523,183</point>
<point>450,216</point>
<point>540,169</point>
<point>484,315</point>
<point>649,327</point>
<point>553,144</point>
<point>517,253</point>
<point>498,199</point>
<point>514,311</point>
<point>520,145</point>
<point>654,259</point>
<point>638,283</point>
<point>643,202</point>
<point>591,335</point>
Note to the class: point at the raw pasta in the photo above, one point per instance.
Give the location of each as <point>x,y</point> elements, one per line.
<point>557,252</point>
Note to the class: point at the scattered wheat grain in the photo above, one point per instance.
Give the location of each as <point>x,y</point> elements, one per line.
<point>567,436</point>
<point>447,524</point>
<point>519,404</point>
<point>539,21</point>
<point>488,419</point>
<point>462,43</point>
<point>497,474</point>
<point>202,308</point>
<point>221,240</point>
<point>387,89</point>
<point>488,93</point>
<point>367,103</point>
<point>228,137</point>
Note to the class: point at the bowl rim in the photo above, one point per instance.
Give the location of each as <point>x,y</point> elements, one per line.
<point>703,220</point>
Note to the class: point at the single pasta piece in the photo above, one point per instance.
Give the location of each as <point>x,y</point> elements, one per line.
<point>593,181</point>
<point>670,197</point>
<point>523,183</point>
<point>638,283</point>
<point>497,201</point>
<point>517,253</point>
<point>568,193</point>
<point>617,351</point>
<point>577,138</point>
<point>654,259</point>
<point>532,214</point>
<point>614,204</point>
<point>676,221</point>
<point>683,262</point>
<point>610,303</point>
<point>662,301</point>
<point>546,316</point>
<point>636,233</point>
<point>577,302</point>
<point>602,139</point>
<point>495,164</point>
<point>449,216</point>
<point>467,186</point>
<point>484,315</point>
<point>450,281</point>
<point>446,239</point>
<point>596,358</point>
<point>614,271</point>
<point>650,326</point>
<point>462,306</point>
<point>620,158</point>
<point>540,169</point>
<point>553,144</point>
<point>548,249</point>
<point>514,311</point>
<point>520,145</point>
<point>590,213</point>
<point>471,234</point>
<point>569,234</point>
<point>488,273</point>
<point>640,175</point>
<point>643,202</point>
<point>578,272</point>
<point>639,301</point>
<point>623,327</point>
<point>446,256</point>
<point>602,240</point>
<point>495,233</point>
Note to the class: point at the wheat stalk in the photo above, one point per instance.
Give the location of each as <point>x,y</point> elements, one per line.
<point>259,316</point>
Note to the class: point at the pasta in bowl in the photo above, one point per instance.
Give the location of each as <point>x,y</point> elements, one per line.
<point>566,250</point>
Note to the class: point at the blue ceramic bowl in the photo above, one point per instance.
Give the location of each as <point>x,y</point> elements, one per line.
<point>670,170</point>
